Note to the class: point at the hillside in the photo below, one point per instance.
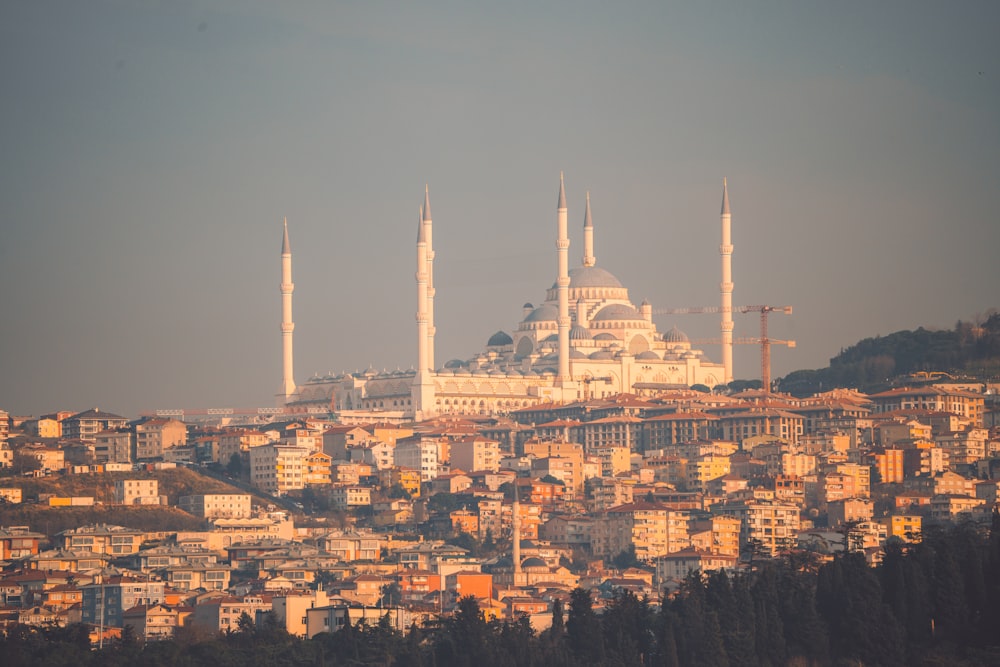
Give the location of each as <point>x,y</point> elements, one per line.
<point>970,350</point>
<point>173,484</point>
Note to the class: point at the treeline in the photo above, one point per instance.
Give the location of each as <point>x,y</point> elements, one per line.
<point>968,349</point>
<point>934,603</point>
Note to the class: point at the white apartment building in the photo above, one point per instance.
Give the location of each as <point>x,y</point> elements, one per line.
<point>418,454</point>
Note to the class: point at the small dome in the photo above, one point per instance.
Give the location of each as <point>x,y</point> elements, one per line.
<point>579,333</point>
<point>534,561</point>
<point>552,356</point>
<point>576,354</point>
<point>605,336</point>
<point>528,305</point>
<point>552,338</point>
<point>544,313</point>
<point>648,354</point>
<point>602,354</point>
<point>499,339</point>
<point>455,363</point>
<point>675,335</point>
<point>617,311</point>
<point>462,371</point>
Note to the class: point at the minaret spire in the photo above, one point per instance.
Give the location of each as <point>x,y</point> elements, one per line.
<point>286,287</point>
<point>428,231</point>
<point>421,276</point>
<point>726,286</point>
<point>562,283</point>
<point>516,537</point>
<point>588,236</point>
<point>422,391</point>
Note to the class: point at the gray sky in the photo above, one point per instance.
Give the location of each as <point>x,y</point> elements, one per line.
<point>149,150</point>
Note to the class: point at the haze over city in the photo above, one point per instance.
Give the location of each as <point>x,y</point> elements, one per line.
<point>151,150</point>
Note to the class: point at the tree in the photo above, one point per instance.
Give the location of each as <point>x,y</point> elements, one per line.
<point>583,629</point>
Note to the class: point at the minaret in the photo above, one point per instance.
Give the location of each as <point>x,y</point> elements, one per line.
<point>588,236</point>
<point>726,286</point>
<point>516,537</point>
<point>422,390</point>
<point>422,339</point>
<point>287,326</point>
<point>431,329</point>
<point>562,282</point>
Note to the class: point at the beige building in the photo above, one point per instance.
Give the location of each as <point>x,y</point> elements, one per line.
<point>113,446</point>
<point>474,454</point>
<point>772,526</point>
<point>102,539</point>
<point>217,505</point>
<point>651,528</point>
<point>86,425</point>
<point>277,468</point>
<point>155,436</point>
<point>934,399</point>
<point>137,492</point>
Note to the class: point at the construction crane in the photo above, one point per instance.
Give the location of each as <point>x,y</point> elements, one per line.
<point>764,340</point>
<point>586,384</point>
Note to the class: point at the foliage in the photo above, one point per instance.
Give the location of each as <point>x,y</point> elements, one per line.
<point>971,349</point>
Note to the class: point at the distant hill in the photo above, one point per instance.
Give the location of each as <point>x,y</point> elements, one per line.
<point>970,350</point>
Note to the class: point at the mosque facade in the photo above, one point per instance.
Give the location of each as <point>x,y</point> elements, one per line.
<point>586,339</point>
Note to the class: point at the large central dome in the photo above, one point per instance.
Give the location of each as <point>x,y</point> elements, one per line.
<point>591,276</point>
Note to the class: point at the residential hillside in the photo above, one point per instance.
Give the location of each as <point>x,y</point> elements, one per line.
<point>173,483</point>
<point>970,350</point>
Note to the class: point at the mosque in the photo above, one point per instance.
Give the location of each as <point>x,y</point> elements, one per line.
<point>586,339</point>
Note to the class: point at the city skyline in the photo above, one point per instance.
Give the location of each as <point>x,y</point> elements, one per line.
<point>152,152</point>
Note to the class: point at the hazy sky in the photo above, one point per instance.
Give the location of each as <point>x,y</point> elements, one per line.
<point>149,150</point>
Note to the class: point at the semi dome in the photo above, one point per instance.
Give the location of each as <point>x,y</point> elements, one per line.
<point>579,333</point>
<point>576,354</point>
<point>544,313</point>
<point>605,336</point>
<point>648,354</point>
<point>499,339</point>
<point>602,354</point>
<point>617,311</point>
<point>675,335</point>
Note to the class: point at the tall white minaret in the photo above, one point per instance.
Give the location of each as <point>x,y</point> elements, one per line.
<point>422,339</point>
<point>516,538</point>
<point>588,236</point>
<point>287,325</point>
<point>726,286</point>
<point>422,391</point>
<point>562,282</point>
<point>431,329</point>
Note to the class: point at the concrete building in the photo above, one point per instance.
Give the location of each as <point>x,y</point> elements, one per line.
<point>154,437</point>
<point>277,468</point>
<point>217,505</point>
<point>137,492</point>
